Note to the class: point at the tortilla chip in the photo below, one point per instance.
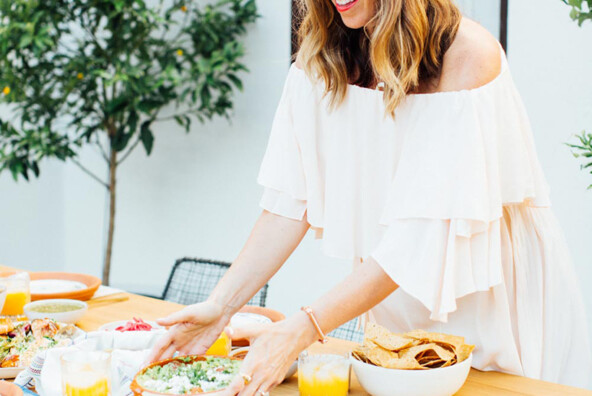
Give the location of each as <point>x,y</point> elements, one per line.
<point>415,350</point>
<point>384,338</point>
<point>464,351</point>
<point>450,363</point>
<point>440,352</point>
<point>405,363</point>
<point>361,355</point>
<point>380,356</point>
<point>454,341</point>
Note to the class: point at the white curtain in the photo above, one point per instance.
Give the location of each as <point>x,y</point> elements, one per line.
<point>486,12</point>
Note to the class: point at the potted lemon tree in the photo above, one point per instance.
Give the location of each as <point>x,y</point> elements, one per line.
<point>104,73</point>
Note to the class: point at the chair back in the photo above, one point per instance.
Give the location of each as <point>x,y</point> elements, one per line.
<point>349,331</point>
<point>192,280</point>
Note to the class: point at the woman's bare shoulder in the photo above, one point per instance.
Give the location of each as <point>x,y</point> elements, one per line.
<point>473,59</point>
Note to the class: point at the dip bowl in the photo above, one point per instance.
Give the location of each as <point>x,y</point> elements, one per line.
<point>380,381</point>
<point>60,310</point>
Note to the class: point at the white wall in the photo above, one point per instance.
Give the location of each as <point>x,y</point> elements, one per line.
<point>551,61</point>
<point>196,195</point>
<point>31,220</point>
<point>486,12</point>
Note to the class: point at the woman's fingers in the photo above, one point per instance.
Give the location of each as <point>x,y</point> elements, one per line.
<point>181,316</point>
<point>160,347</point>
<point>169,352</point>
<point>249,331</point>
<point>235,387</point>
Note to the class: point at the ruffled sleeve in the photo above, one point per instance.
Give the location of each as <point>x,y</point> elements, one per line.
<point>282,173</point>
<point>466,156</point>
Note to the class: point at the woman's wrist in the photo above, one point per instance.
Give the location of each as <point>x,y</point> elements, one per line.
<point>303,329</point>
<point>223,311</point>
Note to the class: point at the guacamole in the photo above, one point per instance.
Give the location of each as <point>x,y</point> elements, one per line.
<point>183,376</point>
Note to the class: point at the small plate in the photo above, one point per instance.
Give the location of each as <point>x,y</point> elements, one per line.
<point>113,325</point>
<point>63,279</point>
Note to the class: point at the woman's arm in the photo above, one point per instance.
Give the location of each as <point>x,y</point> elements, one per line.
<point>364,288</point>
<point>272,241</point>
<point>196,327</point>
<point>275,347</point>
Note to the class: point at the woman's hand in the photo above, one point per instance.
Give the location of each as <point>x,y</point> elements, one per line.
<point>274,347</point>
<point>194,329</point>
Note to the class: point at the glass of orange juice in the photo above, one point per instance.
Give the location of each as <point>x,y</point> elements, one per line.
<point>18,293</point>
<point>323,375</point>
<point>86,373</point>
<point>221,347</point>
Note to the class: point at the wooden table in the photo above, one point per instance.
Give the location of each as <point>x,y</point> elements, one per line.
<point>478,384</point>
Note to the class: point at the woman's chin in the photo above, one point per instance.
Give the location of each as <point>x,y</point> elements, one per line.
<point>354,22</point>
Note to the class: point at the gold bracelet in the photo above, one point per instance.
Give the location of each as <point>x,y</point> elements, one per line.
<point>313,319</point>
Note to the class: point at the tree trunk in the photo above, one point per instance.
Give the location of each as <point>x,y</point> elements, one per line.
<point>110,232</point>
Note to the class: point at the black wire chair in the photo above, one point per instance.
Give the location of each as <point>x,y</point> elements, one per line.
<point>349,331</point>
<point>192,280</point>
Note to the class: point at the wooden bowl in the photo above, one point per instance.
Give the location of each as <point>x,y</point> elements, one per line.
<point>274,315</point>
<point>92,284</point>
<point>139,390</point>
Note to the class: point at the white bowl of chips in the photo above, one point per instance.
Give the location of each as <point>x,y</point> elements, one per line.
<point>417,363</point>
<point>380,381</point>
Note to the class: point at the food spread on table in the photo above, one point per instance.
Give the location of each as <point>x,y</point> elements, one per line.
<point>136,324</point>
<point>20,341</point>
<point>190,374</point>
<point>415,350</point>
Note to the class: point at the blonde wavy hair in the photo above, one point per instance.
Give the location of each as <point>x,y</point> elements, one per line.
<point>402,45</point>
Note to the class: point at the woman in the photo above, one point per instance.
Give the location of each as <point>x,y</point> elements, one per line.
<point>400,138</point>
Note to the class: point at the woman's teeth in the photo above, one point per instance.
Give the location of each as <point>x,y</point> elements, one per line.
<point>344,2</point>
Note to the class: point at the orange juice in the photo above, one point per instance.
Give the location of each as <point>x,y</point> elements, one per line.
<point>87,387</point>
<point>17,292</point>
<point>15,301</point>
<point>323,375</point>
<point>221,347</point>
<point>86,373</point>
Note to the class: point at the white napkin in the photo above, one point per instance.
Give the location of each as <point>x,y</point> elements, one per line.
<point>128,352</point>
<point>103,291</point>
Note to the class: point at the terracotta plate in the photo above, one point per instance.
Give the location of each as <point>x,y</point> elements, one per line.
<point>139,390</point>
<point>92,283</point>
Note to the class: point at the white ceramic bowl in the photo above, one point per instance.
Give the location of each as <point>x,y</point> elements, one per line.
<point>379,381</point>
<point>65,317</point>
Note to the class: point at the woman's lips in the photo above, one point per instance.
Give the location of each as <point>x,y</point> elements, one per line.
<point>345,4</point>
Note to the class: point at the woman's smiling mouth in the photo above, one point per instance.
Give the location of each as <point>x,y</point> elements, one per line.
<point>344,5</point>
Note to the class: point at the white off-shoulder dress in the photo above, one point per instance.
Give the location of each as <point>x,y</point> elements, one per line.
<point>449,198</point>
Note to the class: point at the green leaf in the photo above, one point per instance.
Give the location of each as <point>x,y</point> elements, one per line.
<point>236,81</point>
<point>146,137</point>
<point>116,105</point>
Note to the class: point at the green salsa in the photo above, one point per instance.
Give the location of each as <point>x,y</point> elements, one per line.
<point>55,307</point>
